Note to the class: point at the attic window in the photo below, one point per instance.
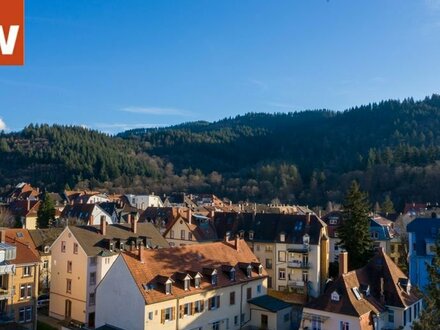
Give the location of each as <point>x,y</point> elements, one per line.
<point>335,296</point>
<point>298,226</point>
<point>357,293</point>
<point>282,237</point>
<point>167,288</point>
<point>111,244</point>
<point>19,234</point>
<point>197,282</point>
<point>121,246</point>
<point>214,279</point>
<point>232,274</point>
<point>306,239</point>
<point>186,284</point>
<point>251,235</point>
<point>46,249</point>
<point>249,271</point>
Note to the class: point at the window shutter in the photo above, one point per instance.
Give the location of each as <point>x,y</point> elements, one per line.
<point>202,305</point>
<point>173,313</point>
<point>218,301</point>
<point>162,316</point>
<point>193,308</point>
<point>181,311</point>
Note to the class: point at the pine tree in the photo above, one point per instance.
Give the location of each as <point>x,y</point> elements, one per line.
<point>387,205</point>
<point>354,231</point>
<point>46,212</point>
<point>430,317</point>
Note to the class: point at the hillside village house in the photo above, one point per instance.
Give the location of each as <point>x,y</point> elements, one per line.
<point>25,212</point>
<point>87,214</point>
<point>141,202</point>
<point>18,279</point>
<point>203,286</point>
<point>422,233</point>
<point>294,249</point>
<point>23,192</point>
<point>82,255</point>
<point>190,229</point>
<point>377,296</point>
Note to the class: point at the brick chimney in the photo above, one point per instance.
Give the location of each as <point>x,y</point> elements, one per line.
<point>237,238</point>
<point>343,263</point>
<point>3,236</point>
<point>28,205</point>
<point>103,226</point>
<point>140,252</point>
<point>129,218</point>
<point>212,215</point>
<point>134,226</point>
<point>308,219</point>
<point>189,215</point>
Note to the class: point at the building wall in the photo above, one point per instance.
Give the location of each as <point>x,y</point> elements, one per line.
<point>45,273</point>
<point>265,251</point>
<point>334,250</point>
<point>334,321</point>
<point>30,222</point>
<point>178,226</point>
<point>275,320</point>
<point>97,213</point>
<point>118,300</point>
<point>79,278</point>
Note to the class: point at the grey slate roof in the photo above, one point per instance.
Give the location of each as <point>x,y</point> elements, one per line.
<point>93,243</point>
<point>268,226</point>
<point>270,303</point>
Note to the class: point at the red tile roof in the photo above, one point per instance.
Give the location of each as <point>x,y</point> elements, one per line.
<point>26,250</point>
<point>189,259</point>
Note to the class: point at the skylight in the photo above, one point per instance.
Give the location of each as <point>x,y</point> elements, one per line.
<point>357,293</point>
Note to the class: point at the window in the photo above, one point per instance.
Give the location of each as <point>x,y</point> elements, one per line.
<point>409,315</point>
<point>333,221</point>
<point>171,233</point>
<point>232,298</point>
<point>251,235</point>
<point>282,274</point>
<point>268,248</point>
<point>216,325</point>
<point>63,246</point>
<point>75,248</point>
<point>69,266</point>
<point>391,316</point>
<point>197,282</point>
<point>45,264</point>
<point>214,279</point>
<point>214,302</point>
<point>257,247</point>
<point>198,306</point>
<point>182,234</point>
<point>282,237</point>
<point>374,235</point>
<point>334,296</point>
<point>344,326</point>
<point>168,288</point>
<point>93,261</point>
<point>357,293</point>
<point>232,274</point>
<point>92,299</point>
<point>282,256</point>
<point>269,282</point>
<point>190,236</point>
<point>259,288</point>
<point>336,247</point>
<point>150,315</point>
<point>186,284</point>
<point>286,317</point>
<point>187,309</point>
<point>236,320</point>
<point>25,291</point>
<point>268,263</point>
<point>168,314</point>
<point>404,318</point>
<point>92,278</point>
<point>27,271</point>
<point>68,286</point>
<point>25,314</point>
<point>249,293</point>
<point>316,324</point>
<point>305,276</point>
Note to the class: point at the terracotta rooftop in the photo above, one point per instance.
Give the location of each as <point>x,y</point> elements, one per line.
<point>379,267</point>
<point>26,250</point>
<point>190,259</point>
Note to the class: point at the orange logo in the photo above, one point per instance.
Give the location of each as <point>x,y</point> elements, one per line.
<point>11,32</point>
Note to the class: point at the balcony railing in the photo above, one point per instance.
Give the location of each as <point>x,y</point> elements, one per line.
<point>300,249</point>
<point>296,284</point>
<point>4,294</point>
<point>298,264</point>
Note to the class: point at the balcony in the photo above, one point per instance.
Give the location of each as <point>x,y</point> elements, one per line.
<point>4,294</point>
<point>7,269</point>
<point>300,249</point>
<point>296,284</point>
<point>298,264</point>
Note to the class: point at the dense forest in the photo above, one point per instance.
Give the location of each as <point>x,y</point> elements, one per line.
<point>392,148</point>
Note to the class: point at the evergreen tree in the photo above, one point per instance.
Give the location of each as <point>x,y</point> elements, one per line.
<point>354,231</point>
<point>387,205</point>
<point>46,212</point>
<point>430,317</point>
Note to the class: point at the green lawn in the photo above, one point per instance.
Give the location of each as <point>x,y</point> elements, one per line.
<point>44,326</point>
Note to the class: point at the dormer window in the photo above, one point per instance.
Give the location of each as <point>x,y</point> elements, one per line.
<point>186,284</point>
<point>168,288</point>
<point>232,275</point>
<point>335,296</point>
<point>306,239</point>
<point>111,246</point>
<point>46,249</point>
<point>282,237</point>
<point>197,282</point>
<point>251,235</point>
<point>214,279</point>
<point>249,271</point>
<point>121,246</point>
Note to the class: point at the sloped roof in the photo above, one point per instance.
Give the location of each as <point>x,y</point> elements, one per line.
<point>267,227</point>
<point>44,237</point>
<point>380,266</point>
<point>21,208</point>
<point>26,250</point>
<point>270,303</point>
<point>190,258</point>
<point>93,242</point>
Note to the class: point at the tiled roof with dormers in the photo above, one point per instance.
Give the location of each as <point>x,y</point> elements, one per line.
<point>190,259</point>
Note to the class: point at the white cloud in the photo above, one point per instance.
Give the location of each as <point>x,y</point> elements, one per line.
<point>2,125</point>
<point>157,111</point>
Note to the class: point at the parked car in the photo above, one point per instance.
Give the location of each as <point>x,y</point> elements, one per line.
<point>43,300</point>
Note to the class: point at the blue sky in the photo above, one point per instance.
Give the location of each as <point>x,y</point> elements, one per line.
<point>118,64</point>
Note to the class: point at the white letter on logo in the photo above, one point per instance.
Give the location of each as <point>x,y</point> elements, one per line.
<point>7,45</point>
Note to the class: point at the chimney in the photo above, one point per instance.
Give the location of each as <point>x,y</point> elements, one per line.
<point>189,215</point>
<point>343,263</point>
<point>212,215</point>
<point>103,226</point>
<point>236,243</point>
<point>28,205</point>
<point>3,236</point>
<point>134,226</point>
<point>308,219</point>
<point>140,250</point>
<point>129,218</point>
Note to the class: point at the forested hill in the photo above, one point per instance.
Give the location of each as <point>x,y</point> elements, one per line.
<point>309,157</point>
